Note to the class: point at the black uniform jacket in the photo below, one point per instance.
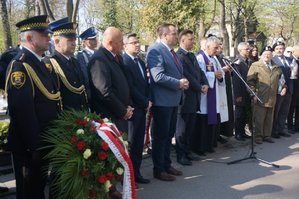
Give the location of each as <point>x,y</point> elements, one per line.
<point>74,76</point>
<point>30,110</point>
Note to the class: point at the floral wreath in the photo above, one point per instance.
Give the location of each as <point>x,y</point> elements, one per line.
<point>88,157</point>
<point>4,125</point>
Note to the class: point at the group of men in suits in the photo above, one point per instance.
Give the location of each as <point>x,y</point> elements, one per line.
<point>182,90</point>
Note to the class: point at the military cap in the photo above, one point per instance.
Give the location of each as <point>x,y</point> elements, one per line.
<point>90,33</point>
<point>38,23</point>
<point>278,43</point>
<point>63,29</point>
<point>267,48</point>
<point>53,24</point>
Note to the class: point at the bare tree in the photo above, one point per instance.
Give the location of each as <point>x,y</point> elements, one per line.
<point>223,28</point>
<point>5,25</point>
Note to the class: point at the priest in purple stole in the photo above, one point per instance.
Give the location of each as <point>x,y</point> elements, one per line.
<point>208,119</point>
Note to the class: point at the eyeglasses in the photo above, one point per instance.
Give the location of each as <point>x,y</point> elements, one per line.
<point>248,49</point>
<point>134,42</point>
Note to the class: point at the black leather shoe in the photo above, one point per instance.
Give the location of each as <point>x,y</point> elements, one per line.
<point>184,161</point>
<point>164,176</point>
<point>239,138</point>
<point>193,157</point>
<point>284,134</point>
<point>221,140</point>
<point>3,189</point>
<point>211,151</point>
<point>173,171</point>
<point>141,180</point>
<point>115,195</point>
<point>246,136</point>
<point>276,136</point>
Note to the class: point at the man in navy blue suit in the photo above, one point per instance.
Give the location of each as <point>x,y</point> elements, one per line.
<point>167,85</point>
<point>284,96</point>
<point>139,89</point>
<point>187,112</point>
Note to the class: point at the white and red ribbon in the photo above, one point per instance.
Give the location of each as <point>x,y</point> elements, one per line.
<point>110,134</point>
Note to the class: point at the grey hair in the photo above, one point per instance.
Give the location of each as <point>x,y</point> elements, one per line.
<point>212,40</point>
<point>22,36</point>
<point>241,45</point>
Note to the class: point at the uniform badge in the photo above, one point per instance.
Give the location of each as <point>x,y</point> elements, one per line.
<point>18,79</point>
<point>49,67</point>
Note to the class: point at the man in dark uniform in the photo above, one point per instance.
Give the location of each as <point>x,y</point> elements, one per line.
<point>5,59</point>
<point>33,102</point>
<point>90,43</point>
<point>187,112</point>
<point>241,95</point>
<point>72,86</point>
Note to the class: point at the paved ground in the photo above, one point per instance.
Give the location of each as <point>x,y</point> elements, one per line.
<point>212,178</point>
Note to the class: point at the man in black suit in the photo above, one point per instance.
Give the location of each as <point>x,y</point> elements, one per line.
<point>67,67</point>
<point>294,109</point>
<point>140,93</point>
<point>31,107</point>
<point>110,91</point>
<point>198,83</point>
<point>241,95</point>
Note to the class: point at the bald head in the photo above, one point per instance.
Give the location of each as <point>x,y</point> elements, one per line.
<point>113,40</point>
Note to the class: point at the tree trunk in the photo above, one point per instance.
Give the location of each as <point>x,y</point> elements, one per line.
<point>5,25</point>
<point>48,9</point>
<point>223,28</point>
<point>201,31</point>
<point>69,9</point>
<point>75,11</point>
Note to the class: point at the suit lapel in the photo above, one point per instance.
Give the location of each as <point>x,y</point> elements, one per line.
<point>171,58</point>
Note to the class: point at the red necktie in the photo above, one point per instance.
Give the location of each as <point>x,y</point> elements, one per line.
<point>175,58</point>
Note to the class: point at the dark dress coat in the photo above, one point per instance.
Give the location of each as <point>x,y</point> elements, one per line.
<point>110,91</point>
<point>196,78</point>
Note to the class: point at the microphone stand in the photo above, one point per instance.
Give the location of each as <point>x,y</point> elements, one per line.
<point>252,154</point>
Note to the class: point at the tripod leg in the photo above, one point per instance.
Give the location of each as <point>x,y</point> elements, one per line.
<point>236,161</point>
<point>269,163</point>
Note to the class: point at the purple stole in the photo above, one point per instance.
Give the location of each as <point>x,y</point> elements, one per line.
<point>211,95</point>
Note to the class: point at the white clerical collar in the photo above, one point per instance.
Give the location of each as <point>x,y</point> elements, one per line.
<point>36,55</point>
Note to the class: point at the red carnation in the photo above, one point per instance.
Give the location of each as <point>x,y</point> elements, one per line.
<point>102,179</point>
<point>109,176</point>
<point>84,173</point>
<point>119,178</point>
<point>73,139</point>
<point>84,123</point>
<point>92,194</point>
<point>80,145</point>
<point>102,156</point>
<point>101,121</point>
<point>93,129</point>
<point>79,121</point>
<point>105,146</point>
